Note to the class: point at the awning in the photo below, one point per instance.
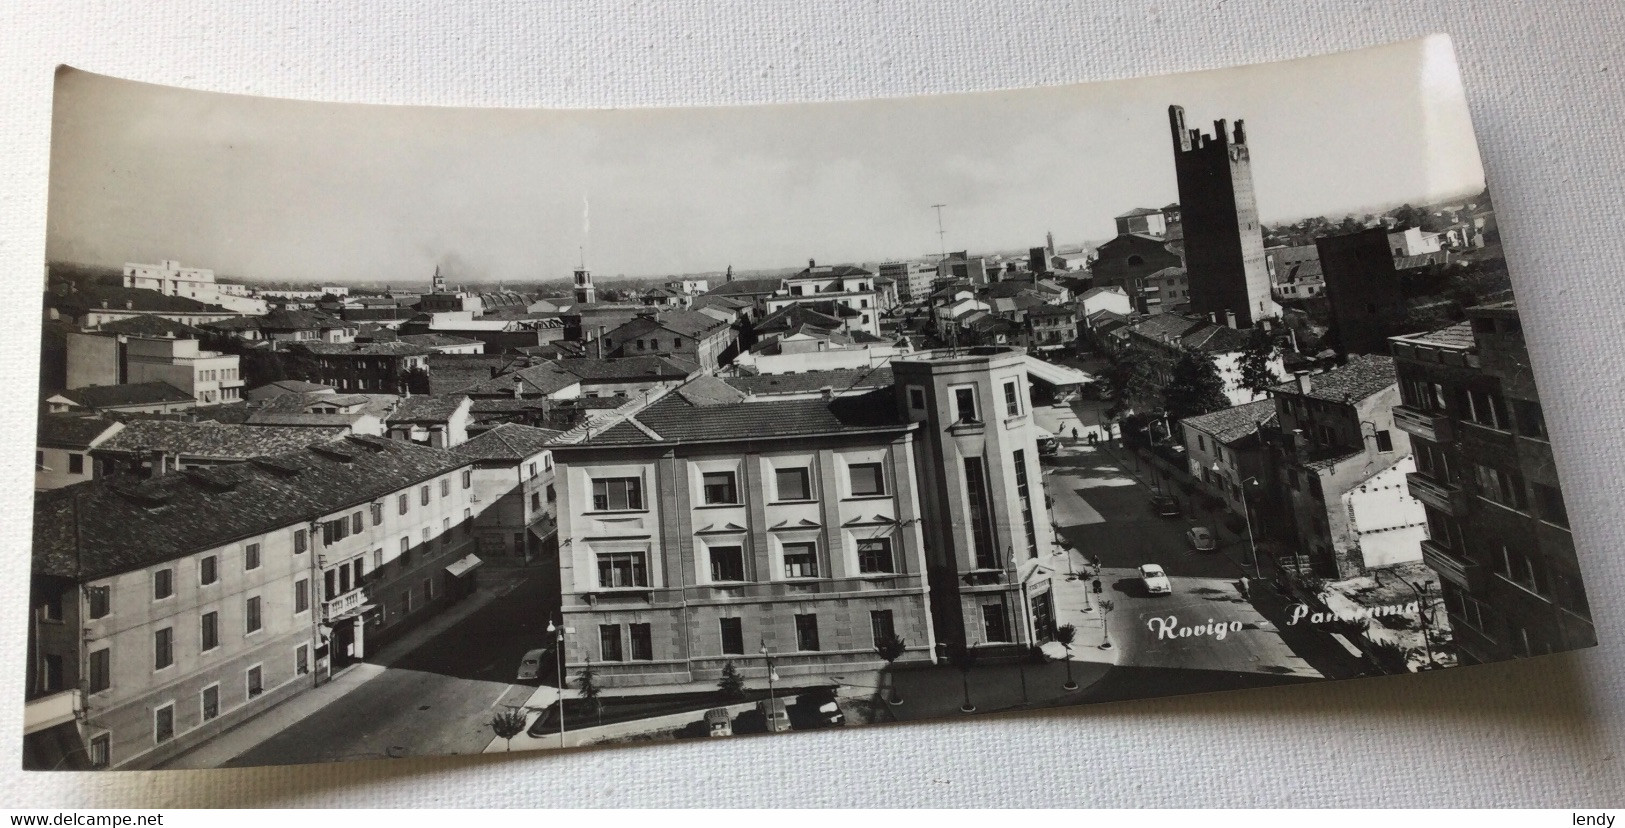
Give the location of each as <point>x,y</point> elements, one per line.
<point>464,565</point>
<point>1054,374</point>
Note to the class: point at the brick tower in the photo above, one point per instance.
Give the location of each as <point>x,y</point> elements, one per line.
<point>1224,245</point>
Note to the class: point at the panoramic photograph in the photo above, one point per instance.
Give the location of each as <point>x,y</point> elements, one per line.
<point>373,432</point>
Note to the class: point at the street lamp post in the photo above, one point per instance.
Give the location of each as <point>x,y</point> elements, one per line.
<point>559,632</point>
<point>772,696</point>
<point>1247,515</point>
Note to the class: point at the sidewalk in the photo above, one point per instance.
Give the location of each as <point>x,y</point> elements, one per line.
<point>859,683</point>
<point>245,736</point>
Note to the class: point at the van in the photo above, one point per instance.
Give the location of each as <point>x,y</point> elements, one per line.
<point>718,722</point>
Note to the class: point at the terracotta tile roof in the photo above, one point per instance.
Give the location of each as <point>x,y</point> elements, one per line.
<point>363,349</point>
<point>1361,377</point>
<point>1139,211</point>
<point>839,380</point>
<point>692,324</point>
<point>1459,335</point>
<point>303,419</point>
<point>89,297</point>
<point>103,528</point>
<point>432,340</point>
<point>1229,425</point>
<point>676,420</point>
<point>426,409</point>
<point>151,326</point>
<point>75,431</point>
<point>747,287</point>
<point>628,368</point>
<point>506,442</point>
<point>114,396</point>
<point>211,439</point>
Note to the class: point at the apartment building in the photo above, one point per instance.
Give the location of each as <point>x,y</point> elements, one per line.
<point>252,582</point>
<point>707,528</point>
<point>1343,464</point>
<point>1497,530</point>
<point>988,535</point>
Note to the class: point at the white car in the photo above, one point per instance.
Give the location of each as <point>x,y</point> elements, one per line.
<point>1156,581</point>
<point>1201,539</point>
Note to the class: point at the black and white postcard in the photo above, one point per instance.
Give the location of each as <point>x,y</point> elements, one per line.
<point>375,432</point>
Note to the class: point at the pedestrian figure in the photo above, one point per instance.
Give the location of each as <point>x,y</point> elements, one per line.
<point>1246,587</point>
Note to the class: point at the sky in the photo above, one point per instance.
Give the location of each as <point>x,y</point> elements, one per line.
<point>271,189</point>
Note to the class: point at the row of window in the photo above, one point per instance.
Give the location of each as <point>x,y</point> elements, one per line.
<point>966,407</point>
<point>100,673</point>
<point>1509,489</point>
<point>1481,406</point>
<point>163,716</point>
<point>721,488</point>
<point>637,643</point>
<point>623,570</point>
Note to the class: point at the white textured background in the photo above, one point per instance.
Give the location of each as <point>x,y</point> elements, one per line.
<point>1545,85</point>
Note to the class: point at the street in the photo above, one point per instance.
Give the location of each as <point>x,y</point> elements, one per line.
<point>435,699</point>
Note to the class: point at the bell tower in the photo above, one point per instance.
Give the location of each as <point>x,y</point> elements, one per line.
<point>586,294</point>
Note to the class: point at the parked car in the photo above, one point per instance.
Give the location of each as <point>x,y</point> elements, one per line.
<point>531,664</point>
<point>1201,539</point>
<point>775,713</point>
<point>1156,581</point>
<point>819,708</point>
<point>1165,506</point>
<point>718,722</point>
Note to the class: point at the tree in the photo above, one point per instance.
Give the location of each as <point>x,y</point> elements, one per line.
<point>891,648</point>
<point>1257,375</point>
<point>732,684</point>
<point>1118,376</point>
<point>965,659</point>
<point>1064,636</point>
<point>587,686</point>
<point>508,724</point>
<point>1195,386</point>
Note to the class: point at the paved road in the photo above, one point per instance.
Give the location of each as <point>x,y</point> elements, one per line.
<point>435,699</point>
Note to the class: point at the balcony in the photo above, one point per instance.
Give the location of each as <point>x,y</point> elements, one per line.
<point>49,711</point>
<point>1433,426</point>
<point>1449,498</point>
<point>1457,570</point>
<point>347,604</point>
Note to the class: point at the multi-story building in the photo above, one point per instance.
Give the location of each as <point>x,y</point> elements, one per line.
<point>691,335</point>
<point>988,536</point>
<point>1497,530</point>
<point>371,366</point>
<point>912,278</point>
<point>251,583</point>
<point>62,453</point>
<point>147,448</point>
<point>1051,327</point>
<point>1362,287</point>
<point>1225,452</point>
<point>211,377</point>
<point>170,279</point>
<point>1223,242</point>
<point>845,285</point>
<point>1343,464</point>
<point>112,357</point>
<point>1142,220</point>
<point>704,529</point>
<point>514,495</point>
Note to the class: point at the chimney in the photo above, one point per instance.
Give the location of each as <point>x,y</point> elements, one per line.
<point>518,386</point>
<point>1241,134</point>
<point>811,264</point>
<point>1304,383</point>
<point>158,467</point>
<point>1230,319</point>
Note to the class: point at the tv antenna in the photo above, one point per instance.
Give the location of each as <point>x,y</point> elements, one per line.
<point>942,235</point>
